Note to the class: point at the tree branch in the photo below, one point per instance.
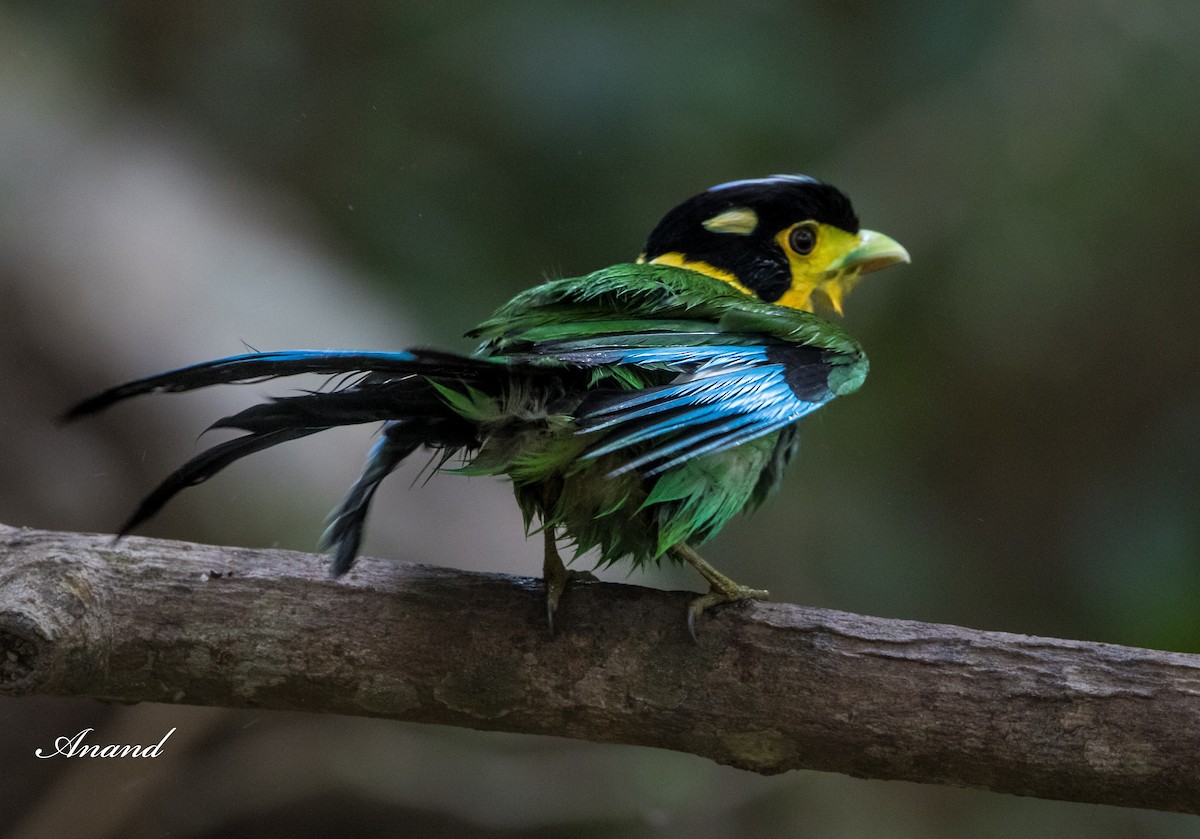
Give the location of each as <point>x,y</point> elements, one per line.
<point>769,687</point>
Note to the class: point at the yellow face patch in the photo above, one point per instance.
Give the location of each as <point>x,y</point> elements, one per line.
<point>811,271</point>
<point>823,263</point>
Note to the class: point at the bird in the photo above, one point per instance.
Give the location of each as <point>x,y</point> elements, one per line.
<point>635,409</point>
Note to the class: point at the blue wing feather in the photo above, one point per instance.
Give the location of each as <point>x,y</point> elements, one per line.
<point>724,396</point>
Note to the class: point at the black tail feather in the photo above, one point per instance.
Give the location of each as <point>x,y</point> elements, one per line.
<point>206,464</point>
<point>254,367</point>
<point>354,405</point>
<point>395,388</point>
<point>343,536</point>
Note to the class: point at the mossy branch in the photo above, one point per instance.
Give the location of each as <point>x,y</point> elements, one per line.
<point>769,687</point>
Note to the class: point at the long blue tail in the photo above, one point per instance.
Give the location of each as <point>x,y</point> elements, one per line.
<point>391,387</point>
<point>256,367</point>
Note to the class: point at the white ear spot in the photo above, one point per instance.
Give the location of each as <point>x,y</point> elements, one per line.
<point>740,220</point>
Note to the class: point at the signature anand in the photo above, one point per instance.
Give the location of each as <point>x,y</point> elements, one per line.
<point>75,746</point>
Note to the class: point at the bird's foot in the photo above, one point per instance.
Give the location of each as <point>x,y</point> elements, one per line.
<point>716,596</point>
<point>721,589</point>
<point>556,577</point>
<point>556,584</point>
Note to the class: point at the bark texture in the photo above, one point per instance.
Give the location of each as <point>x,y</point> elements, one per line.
<point>769,687</point>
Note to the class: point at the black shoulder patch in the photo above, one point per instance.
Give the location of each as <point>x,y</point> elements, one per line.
<point>805,369</point>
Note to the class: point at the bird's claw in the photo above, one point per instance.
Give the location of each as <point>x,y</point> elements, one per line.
<point>718,595</point>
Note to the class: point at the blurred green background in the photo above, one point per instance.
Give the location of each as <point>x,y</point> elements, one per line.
<point>177,179</point>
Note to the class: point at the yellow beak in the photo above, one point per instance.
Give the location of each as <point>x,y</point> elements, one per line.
<point>873,252</point>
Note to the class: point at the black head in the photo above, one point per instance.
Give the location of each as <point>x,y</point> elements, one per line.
<point>774,237</point>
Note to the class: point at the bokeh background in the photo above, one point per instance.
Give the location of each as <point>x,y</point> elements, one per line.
<point>180,180</point>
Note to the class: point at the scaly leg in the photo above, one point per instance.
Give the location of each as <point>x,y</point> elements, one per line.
<point>557,576</point>
<point>721,589</point>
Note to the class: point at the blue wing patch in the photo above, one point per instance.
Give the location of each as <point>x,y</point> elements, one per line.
<point>724,396</point>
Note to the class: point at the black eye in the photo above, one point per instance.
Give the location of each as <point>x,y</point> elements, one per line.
<point>803,239</point>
